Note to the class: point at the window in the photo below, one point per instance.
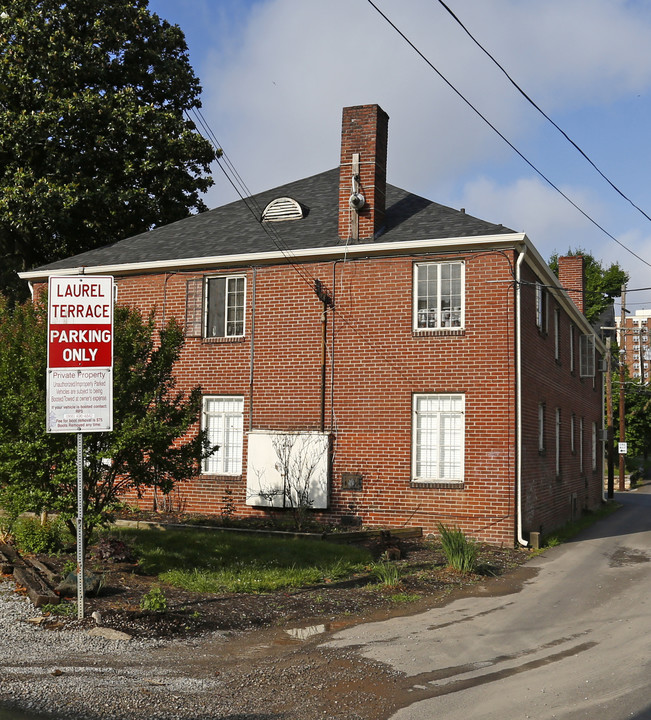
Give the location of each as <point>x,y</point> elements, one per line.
<point>572,442</point>
<point>225,306</point>
<point>581,444</point>
<point>572,348</point>
<point>587,356</point>
<point>558,442</point>
<point>594,445</point>
<point>438,442</point>
<point>223,419</point>
<point>541,307</point>
<point>439,290</point>
<point>541,427</point>
<point>214,306</point>
<point>557,335</point>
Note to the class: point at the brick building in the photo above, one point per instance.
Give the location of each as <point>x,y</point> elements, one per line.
<point>633,339</point>
<point>410,363</point>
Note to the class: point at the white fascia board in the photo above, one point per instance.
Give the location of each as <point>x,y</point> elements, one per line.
<point>547,277</point>
<point>308,254</point>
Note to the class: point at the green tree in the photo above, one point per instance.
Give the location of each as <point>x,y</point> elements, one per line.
<point>602,284</point>
<point>95,142</point>
<point>637,401</point>
<point>149,447</point>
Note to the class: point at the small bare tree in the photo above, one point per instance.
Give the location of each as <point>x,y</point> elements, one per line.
<point>299,459</point>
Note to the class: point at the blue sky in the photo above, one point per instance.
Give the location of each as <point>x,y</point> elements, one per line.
<point>277,73</point>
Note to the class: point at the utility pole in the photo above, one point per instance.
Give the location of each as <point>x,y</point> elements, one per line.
<point>610,455</point>
<point>622,401</point>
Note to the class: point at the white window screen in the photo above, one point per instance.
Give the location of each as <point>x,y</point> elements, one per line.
<point>438,438</point>
<point>439,295</point>
<point>223,419</point>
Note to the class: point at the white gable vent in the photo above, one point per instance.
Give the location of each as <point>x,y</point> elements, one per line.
<point>283,208</point>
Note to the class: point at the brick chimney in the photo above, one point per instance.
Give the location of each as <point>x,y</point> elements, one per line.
<point>571,275</point>
<point>363,172</point>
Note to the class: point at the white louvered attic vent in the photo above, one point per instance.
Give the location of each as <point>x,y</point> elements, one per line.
<point>283,208</point>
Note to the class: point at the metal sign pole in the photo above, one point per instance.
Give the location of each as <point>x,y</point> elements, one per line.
<point>80,526</point>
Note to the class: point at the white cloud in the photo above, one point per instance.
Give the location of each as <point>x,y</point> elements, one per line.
<point>277,76</point>
<point>274,91</point>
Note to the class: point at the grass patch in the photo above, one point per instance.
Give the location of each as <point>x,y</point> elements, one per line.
<point>209,562</point>
<point>404,598</point>
<point>571,529</point>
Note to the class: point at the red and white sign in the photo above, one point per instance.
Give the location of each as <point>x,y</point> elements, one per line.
<point>80,354</point>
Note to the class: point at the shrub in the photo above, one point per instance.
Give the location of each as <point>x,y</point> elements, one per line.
<point>33,537</point>
<point>460,552</point>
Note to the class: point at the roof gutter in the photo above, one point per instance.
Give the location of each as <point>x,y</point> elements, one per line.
<point>306,254</point>
<point>518,394</point>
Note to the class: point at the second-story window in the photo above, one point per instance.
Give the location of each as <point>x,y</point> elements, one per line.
<point>557,334</point>
<point>224,308</point>
<point>438,295</point>
<point>541,307</point>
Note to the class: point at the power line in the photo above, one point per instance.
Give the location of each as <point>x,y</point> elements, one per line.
<point>238,184</point>
<point>542,112</point>
<point>504,138</point>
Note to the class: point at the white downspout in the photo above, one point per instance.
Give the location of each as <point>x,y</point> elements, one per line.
<point>518,395</point>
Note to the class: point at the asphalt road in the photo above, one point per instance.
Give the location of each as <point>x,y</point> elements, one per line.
<point>575,642</point>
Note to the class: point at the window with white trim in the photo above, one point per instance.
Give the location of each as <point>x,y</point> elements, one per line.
<point>558,442</point>
<point>541,427</point>
<point>594,445</point>
<point>438,295</point>
<point>572,441</point>
<point>224,306</point>
<point>557,334</point>
<point>587,356</point>
<point>581,444</point>
<point>223,421</point>
<point>214,306</point>
<point>438,438</point>
<point>572,348</point>
<point>541,307</point>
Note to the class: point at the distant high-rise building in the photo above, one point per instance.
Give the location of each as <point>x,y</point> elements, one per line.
<point>633,338</point>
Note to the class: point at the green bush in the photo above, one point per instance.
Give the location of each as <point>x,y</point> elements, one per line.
<point>154,600</point>
<point>460,552</point>
<point>33,537</point>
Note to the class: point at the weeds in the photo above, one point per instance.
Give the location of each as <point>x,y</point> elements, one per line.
<point>154,601</point>
<point>386,573</point>
<point>570,529</point>
<point>460,552</point>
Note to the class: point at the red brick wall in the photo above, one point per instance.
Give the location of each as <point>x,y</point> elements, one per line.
<point>374,364</point>
<point>550,499</point>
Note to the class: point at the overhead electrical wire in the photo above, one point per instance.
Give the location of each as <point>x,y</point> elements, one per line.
<point>503,137</point>
<point>238,184</point>
<point>540,110</point>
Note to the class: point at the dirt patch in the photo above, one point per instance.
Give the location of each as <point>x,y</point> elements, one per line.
<point>424,581</point>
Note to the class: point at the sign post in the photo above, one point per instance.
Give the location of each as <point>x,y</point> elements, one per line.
<point>80,373</point>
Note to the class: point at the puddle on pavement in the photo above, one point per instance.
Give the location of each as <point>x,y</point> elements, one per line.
<point>304,633</point>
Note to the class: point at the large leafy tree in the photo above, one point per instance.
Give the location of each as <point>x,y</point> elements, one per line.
<point>602,284</point>
<point>149,447</point>
<point>95,141</point>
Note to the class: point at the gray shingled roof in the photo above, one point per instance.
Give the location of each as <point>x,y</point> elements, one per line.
<point>233,229</point>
